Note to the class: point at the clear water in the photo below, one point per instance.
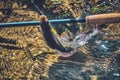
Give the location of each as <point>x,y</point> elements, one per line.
<point>24,54</point>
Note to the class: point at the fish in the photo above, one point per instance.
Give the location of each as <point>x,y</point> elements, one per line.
<point>62,45</point>
<point>50,39</point>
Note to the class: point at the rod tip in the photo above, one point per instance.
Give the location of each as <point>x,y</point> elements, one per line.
<point>43,18</point>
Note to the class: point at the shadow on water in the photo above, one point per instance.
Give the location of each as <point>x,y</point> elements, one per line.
<point>93,70</point>
<point>102,48</point>
<point>68,70</point>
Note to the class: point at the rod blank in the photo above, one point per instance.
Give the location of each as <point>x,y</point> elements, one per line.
<point>32,23</point>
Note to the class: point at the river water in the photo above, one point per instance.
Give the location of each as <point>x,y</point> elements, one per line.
<point>25,56</point>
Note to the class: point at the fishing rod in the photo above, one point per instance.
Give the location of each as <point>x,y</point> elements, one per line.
<point>91,19</point>
<point>28,23</point>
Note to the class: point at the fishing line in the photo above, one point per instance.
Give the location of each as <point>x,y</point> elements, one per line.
<point>37,7</point>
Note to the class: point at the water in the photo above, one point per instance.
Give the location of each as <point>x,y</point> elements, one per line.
<point>99,67</point>
<point>24,54</point>
<point>78,41</point>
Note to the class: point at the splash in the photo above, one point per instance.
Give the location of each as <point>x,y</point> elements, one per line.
<point>79,40</point>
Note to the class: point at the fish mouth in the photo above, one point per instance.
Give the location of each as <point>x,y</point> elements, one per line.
<point>43,18</point>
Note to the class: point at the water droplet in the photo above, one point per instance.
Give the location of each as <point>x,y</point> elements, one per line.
<point>103,46</point>
<point>106,33</point>
<point>98,41</point>
<point>106,41</point>
<point>116,74</point>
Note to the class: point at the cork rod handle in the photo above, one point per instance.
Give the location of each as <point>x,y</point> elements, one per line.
<point>103,18</point>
